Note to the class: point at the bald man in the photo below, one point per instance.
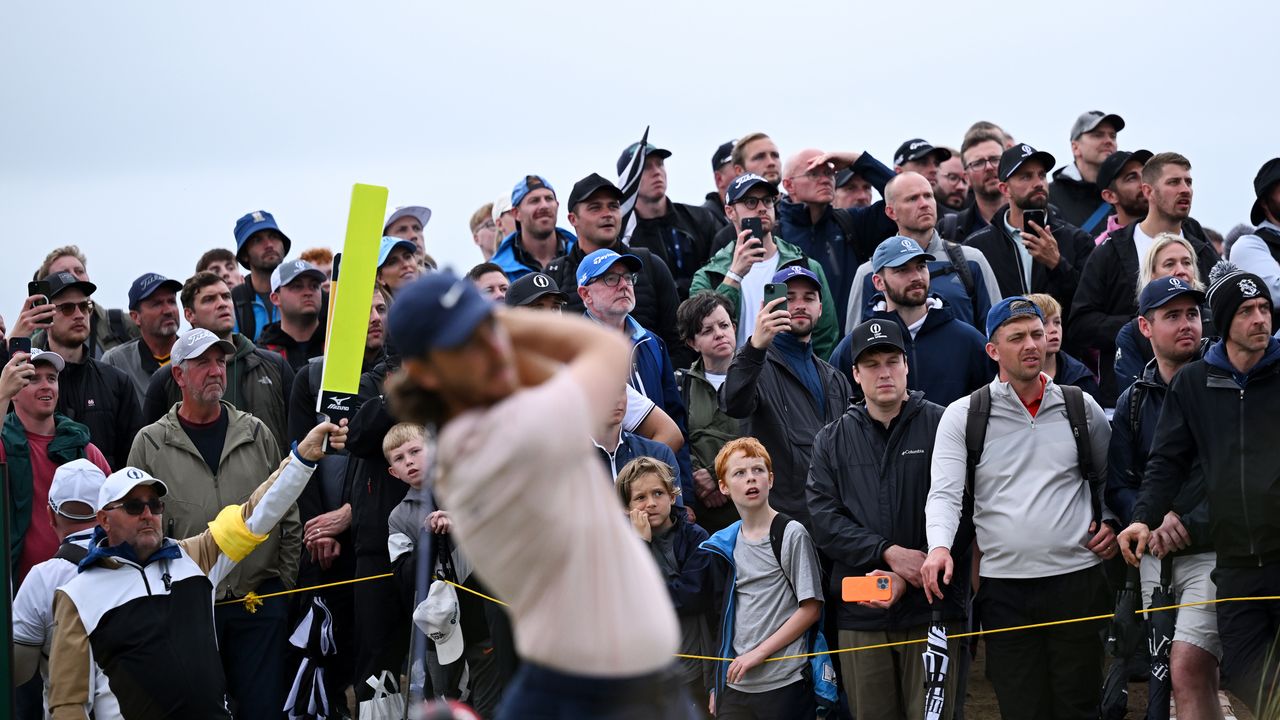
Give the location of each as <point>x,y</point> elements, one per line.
<point>838,239</point>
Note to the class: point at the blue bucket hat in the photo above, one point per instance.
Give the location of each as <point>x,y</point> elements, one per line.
<point>249,225</point>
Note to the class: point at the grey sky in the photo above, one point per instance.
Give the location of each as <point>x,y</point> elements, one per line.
<point>141,131</point>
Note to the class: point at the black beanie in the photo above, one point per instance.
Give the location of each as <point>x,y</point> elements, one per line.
<point>1230,287</point>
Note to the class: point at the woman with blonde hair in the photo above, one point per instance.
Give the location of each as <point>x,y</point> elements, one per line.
<point>1169,255</point>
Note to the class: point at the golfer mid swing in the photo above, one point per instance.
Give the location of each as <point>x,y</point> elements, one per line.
<point>516,396</point>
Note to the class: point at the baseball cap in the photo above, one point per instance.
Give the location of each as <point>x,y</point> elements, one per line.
<point>531,287</point>
<point>599,262</point>
<point>438,310</point>
<point>791,272</point>
<point>501,205</point>
<point>917,148</point>
<point>895,252</point>
<point>145,285</point>
<point>1110,168</point>
<point>844,176</point>
<point>194,342</point>
<point>1014,306</point>
<point>78,481</point>
<point>251,223</point>
<point>528,184</point>
<point>650,150</point>
<point>47,356</point>
<point>287,272</point>
<point>124,480</point>
<point>437,618</point>
<point>423,214</point>
<point>1018,155</point>
<point>723,155</point>
<point>590,185</point>
<point>741,184</point>
<point>1268,175</point>
<point>61,281</point>
<point>876,333</point>
<point>1090,120</point>
<point>1162,290</point>
<point>391,243</point>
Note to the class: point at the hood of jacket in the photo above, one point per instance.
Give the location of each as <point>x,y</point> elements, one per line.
<point>1217,357</point>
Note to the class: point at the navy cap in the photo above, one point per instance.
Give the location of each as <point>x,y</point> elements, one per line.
<point>723,155</point>
<point>1018,155</point>
<point>1014,306</point>
<point>599,262</point>
<point>742,184</point>
<point>1268,175</point>
<point>391,243</point>
<point>60,281</point>
<point>917,148</point>
<point>1162,290</point>
<point>844,176</point>
<point>533,287</point>
<point>437,311</point>
<point>791,272</point>
<point>250,224</point>
<point>528,184</point>
<point>590,185</point>
<point>1110,168</point>
<point>895,252</point>
<point>650,150</point>
<point>876,333</point>
<point>144,286</point>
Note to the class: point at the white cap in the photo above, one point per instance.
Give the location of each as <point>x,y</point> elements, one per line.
<point>501,205</point>
<point>77,481</point>
<point>47,356</point>
<point>422,213</point>
<point>123,481</point>
<point>194,342</point>
<point>437,617</point>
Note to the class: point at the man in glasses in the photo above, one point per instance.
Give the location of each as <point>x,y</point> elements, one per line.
<point>980,153</point>
<point>90,391</point>
<point>36,441</point>
<point>141,611</point>
<point>952,189</point>
<point>740,270</point>
<point>839,239</point>
<point>213,453</point>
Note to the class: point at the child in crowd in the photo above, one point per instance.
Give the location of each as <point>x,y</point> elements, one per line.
<point>648,489</point>
<point>1064,369</point>
<point>771,595</point>
<point>454,619</point>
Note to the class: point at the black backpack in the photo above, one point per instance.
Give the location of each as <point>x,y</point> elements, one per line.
<point>976,438</point>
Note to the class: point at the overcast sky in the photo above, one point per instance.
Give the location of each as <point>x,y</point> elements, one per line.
<point>141,131</point>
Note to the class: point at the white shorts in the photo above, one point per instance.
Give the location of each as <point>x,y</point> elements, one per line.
<point>1197,625</point>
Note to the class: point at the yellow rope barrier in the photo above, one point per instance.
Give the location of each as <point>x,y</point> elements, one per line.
<point>252,601</point>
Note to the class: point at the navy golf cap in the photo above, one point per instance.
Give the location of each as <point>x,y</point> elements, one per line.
<point>791,272</point>
<point>1010,308</point>
<point>144,286</point>
<point>743,183</point>
<point>437,311</point>
<point>1162,290</point>
<point>895,252</point>
<point>650,150</point>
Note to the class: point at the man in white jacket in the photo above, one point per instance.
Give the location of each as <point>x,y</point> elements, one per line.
<point>1036,521</point>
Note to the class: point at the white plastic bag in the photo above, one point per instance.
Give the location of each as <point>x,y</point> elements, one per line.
<point>387,702</point>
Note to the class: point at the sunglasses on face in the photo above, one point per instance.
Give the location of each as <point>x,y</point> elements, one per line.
<point>134,507</point>
<point>69,308</point>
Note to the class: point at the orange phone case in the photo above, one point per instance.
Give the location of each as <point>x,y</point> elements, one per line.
<point>866,588</point>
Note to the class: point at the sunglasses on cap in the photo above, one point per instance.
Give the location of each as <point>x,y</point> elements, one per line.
<point>135,507</point>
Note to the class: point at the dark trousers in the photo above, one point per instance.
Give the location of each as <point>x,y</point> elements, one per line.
<point>1249,631</point>
<point>253,647</point>
<point>540,693</point>
<point>382,625</point>
<point>792,702</point>
<point>1053,672</point>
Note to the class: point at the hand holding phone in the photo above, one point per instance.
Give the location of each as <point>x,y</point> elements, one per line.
<point>867,588</point>
<point>756,227</point>
<point>773,291</point>
<point>1039,217</point>
<point>19,345</point>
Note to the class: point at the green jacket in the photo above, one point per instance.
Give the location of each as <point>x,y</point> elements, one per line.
<point>826,334</point>
<point>249,456</point>
<point>709,429</point>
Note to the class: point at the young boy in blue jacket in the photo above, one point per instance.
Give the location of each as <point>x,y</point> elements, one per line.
<point>767,606</point>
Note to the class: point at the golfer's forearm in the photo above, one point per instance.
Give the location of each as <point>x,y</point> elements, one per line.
<point>565,339</point>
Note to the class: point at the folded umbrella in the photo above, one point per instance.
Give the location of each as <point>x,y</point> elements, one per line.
<point>1161,626</point>
<point>1124,637</point>
<point>936,659</point>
